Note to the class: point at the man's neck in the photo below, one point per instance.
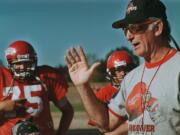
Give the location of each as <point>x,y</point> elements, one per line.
<point>159,55</point>
<point>158,52</point>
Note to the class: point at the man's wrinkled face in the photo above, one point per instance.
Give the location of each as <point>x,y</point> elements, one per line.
<point>141,36</point>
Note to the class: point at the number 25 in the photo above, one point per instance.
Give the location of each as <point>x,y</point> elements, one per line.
<point>28,95</point>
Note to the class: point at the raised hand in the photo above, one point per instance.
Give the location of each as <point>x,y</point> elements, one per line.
<point>77,64</point>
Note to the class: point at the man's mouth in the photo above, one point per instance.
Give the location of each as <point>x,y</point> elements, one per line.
<point>135,45</point>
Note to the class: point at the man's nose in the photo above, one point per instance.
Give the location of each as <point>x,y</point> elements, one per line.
<point>129,36</point>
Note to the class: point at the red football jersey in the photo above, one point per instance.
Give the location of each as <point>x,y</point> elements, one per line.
<point>104,94</point>
<point>52,87</point>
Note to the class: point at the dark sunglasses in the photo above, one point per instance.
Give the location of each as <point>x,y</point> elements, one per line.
<point>138,28</point>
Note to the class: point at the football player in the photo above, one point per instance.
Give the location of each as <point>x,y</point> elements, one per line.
<point>118,64</point>
<point>27,89</point>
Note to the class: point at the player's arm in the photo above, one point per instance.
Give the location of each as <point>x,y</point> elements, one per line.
<point>8,105</point>
<point>57,89</point>
<point>67,115</point>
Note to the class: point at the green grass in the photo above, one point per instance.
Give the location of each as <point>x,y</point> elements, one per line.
<point>78,107</point>
<point>53,108</point>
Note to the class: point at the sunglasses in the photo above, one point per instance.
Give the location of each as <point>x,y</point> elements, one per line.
<point>138,28</point>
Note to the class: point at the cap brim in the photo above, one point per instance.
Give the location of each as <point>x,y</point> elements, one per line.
<point>119,24</point>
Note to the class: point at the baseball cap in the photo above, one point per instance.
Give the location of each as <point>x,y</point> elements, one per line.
<point>139,10</point>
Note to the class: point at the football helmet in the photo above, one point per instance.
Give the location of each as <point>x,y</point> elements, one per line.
<point>118,61</point>
<point>25,127</point>
<point>21,53</point>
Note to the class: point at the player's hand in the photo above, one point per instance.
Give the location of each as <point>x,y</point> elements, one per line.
<point>10,105</point>
<point>77,64</point>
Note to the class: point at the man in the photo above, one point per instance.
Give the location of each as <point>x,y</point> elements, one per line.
<point>26,90</point>
<point>118,64</point>
<point>150,94</point>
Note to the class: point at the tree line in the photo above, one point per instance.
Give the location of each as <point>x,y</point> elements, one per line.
<point>100,73</point>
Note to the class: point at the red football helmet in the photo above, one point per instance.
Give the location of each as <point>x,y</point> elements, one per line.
<point>118,58</point>
<point>20,52</point>
<point>118,61</point>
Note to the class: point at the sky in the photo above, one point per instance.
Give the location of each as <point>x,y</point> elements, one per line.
<point>53,26</point>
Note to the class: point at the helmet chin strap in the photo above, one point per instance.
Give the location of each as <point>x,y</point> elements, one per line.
<point>116,85</point>
<point>42,83</point>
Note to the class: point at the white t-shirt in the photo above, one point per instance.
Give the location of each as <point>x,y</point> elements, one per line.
<point>161,101</point>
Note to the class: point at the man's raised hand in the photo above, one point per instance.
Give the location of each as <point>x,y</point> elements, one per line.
<point>77,64</point>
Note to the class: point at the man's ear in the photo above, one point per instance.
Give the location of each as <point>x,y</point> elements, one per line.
<point>158,28</point>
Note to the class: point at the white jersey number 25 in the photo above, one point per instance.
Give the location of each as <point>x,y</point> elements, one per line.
<point>28,90</point>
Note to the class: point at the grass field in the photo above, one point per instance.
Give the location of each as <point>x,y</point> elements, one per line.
<point>75,99</point>
<point>77,107</point>
<point>79,124</point>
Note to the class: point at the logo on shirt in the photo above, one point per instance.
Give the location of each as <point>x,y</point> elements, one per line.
<point>141,100</point>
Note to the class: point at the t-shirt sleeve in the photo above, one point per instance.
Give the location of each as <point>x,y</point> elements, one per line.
<point>101,94</point>
<point>117,104</point>
<point>106,93</point>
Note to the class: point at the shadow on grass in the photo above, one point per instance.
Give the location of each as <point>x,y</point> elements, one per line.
<point>83,132</point>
